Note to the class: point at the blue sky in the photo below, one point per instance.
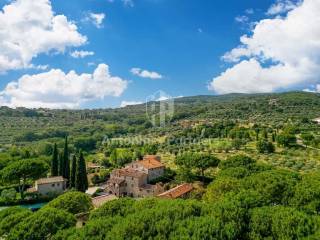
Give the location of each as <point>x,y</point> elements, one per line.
<point>181,40</point>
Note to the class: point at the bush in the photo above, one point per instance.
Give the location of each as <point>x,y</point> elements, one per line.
<point>72,202</point>
<point>42,224</point>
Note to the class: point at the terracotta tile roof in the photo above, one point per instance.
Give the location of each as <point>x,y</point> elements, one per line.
<point>150,162</point>
<point>50,180</point>
<point>177,191</point>
<point>100,200</point>
<point>115,180</point>
<point>130,172</point>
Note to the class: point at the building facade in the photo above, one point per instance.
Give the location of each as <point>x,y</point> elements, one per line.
<point>52,185</point>
<point>134,179</point>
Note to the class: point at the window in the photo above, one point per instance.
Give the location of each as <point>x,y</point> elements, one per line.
<point>52,185</point>
<point>58,184</point>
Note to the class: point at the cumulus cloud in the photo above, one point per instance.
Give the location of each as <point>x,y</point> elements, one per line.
<point>129,103</point>
<point>56,89</point>
<point>96,19</point>
<point>128,3</point>
<point>280,53</point>
<point>81,54</point>
<point>145,73</point>
<point>29,28</point>
<point>282,6</point>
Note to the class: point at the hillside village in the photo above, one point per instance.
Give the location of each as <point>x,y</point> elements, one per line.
<point>133,180</point>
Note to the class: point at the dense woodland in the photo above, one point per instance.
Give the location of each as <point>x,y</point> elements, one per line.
<point>253,161</point>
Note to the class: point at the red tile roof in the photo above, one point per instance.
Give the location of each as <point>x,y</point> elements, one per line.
<point>50,180</point>
<point>130,172</point>
<point>151,162</point>
<point>177,191</point>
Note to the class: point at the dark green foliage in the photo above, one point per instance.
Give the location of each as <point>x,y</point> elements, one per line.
<point>237,161</point>
<point>54,161</point>
<point>10,217</point>
<point>81,180</point>
<point>307,193</point>
<point>66,160</point>
<point>61,164</point>
<point>279,223</point>
<point>85,143</point>
<point>275,186</point>
<point>73,172</point>
<point>264,146</point>
<point>21,171</point>
<point>286,140</point>
<point>200,161</point>
<point>42,224</point>
<point>72,202</point>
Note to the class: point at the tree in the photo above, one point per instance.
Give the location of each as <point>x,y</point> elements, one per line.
<point>201,161</point>
<point>61,164</point>
<point>286,140</point>
<point>73,171</point>
<point>72,202</point>
<point>54,161</point>
<point>23,170</point>
<point>237,161</point>
<point>9,194</point>
<point>42,224</point>
<point>264,146</point>
<point>278,222</point>
<point>81,180</point>
<point>66,160</point>
<point>10,217</point>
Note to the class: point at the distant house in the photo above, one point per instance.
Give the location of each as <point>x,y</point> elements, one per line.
<point>181,191</point>
<point>45,186</point>
<point>133,180</point>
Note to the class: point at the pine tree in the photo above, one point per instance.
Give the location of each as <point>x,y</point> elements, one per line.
<point>66,160</point>
<point>54,162</point>
<point>81,182</point>
<point>61,165</point>
<point>73,171</point>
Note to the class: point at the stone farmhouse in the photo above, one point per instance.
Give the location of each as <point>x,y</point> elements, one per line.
<point>51,185</point>
<point>134,179</point>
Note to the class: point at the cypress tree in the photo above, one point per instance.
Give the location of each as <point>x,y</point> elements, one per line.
<point>61,165</point>
<point>73,172</point>
<point>81,182</point>
<point>66,160</point>
<point>54,162</point>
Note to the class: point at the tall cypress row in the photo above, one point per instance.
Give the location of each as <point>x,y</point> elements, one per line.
<point>81,182</point>
<point>73,172</point>
<point>61,164</point>
<point>66,160</point>
<point>54,162</point>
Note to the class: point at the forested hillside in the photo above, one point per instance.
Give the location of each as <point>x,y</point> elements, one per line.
<point>252,160</point>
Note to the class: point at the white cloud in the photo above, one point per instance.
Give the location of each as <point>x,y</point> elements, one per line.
<point>96,19</point>
<point>281,53</point>
<point>81,54</point>
<point>56,89</point>
<point>242,19</point>
<point>128,3</point>
<point>129,103</point>
<point>145,73</point>
<point>249,11</point>
<point>282,6</point>
<point>29,28</point>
